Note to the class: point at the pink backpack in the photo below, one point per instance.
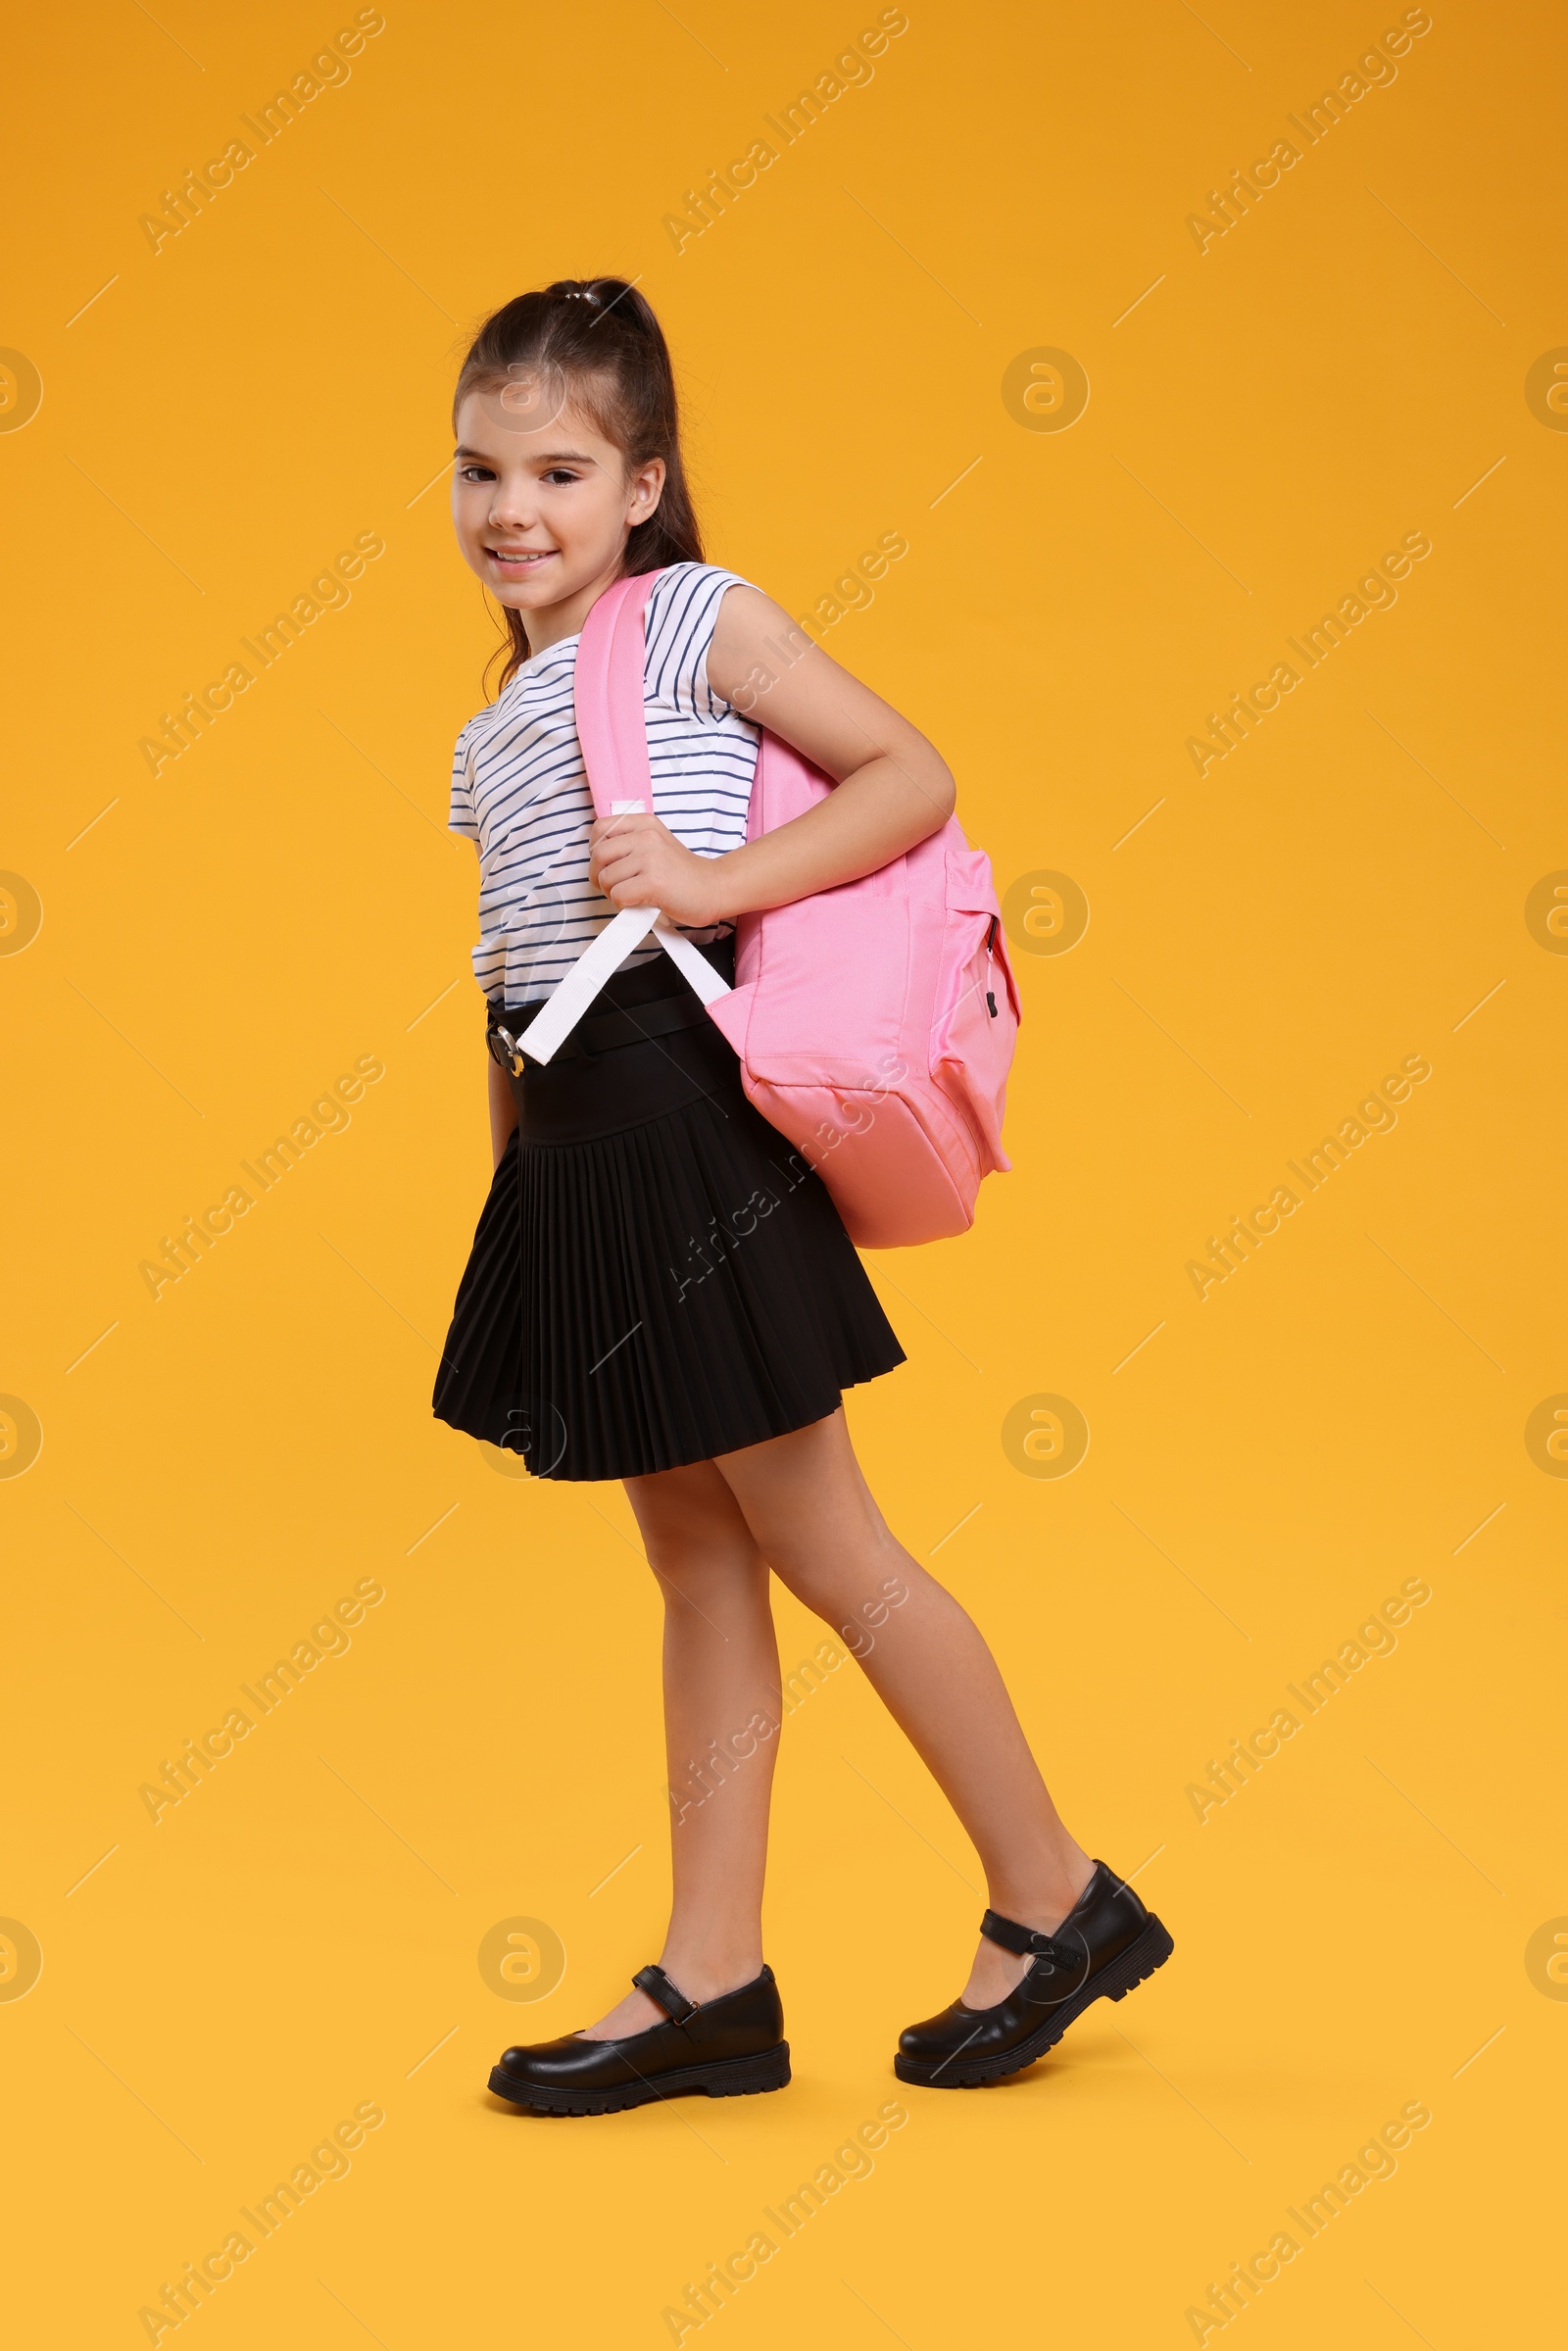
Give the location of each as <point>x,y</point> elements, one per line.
<point>874,1022</point>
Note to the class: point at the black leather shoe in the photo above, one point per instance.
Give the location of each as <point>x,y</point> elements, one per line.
<point>1106,1945</point>
<point>728,2048</point>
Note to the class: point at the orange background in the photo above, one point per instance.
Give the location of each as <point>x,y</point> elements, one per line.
<point>1370,1922</point>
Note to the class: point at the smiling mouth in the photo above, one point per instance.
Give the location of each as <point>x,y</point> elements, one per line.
<point>519,555</point>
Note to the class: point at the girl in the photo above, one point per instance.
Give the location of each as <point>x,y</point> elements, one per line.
<point>600,1330</point>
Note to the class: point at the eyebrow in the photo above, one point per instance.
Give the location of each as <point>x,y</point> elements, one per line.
<point>555,457</point>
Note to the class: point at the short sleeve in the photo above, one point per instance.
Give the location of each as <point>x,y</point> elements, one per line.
<point>462,816</point>
<point>682,615</point>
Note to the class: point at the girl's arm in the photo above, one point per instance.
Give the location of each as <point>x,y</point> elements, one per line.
<point>502,1108</point>
<point>894,789</point>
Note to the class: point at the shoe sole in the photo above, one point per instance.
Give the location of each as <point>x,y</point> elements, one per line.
<point>726,2078</point>
<point>1113,1981</point>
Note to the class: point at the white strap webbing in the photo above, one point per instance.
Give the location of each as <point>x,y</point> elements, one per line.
<point>549,1029</point>
<point>695,968</point>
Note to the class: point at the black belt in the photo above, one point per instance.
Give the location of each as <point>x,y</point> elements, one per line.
<point>602,1032</point>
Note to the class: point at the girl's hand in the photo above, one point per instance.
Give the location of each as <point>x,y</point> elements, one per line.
<point>637,861</point>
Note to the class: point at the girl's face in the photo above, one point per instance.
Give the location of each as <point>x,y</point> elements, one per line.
<point>543,508</point>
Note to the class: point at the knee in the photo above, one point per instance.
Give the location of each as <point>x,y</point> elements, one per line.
<point>806,1575</point>
<point>855,1600</point>
<point>688,1543</point>
<point>687,1554</point>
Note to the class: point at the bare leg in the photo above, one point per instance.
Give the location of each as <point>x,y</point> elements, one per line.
<point>812,1516</point>
<point>722,1712</point>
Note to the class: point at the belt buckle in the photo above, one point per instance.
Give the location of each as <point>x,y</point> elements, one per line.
<point>505,1049</point>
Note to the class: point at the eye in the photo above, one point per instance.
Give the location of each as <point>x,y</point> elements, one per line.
<point>560,474</point>
<point>474,473</point>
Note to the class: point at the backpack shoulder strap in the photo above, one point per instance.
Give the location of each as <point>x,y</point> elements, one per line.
<point>608,695</point>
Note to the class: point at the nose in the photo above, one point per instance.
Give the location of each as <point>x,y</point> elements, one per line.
<point>512,503</point>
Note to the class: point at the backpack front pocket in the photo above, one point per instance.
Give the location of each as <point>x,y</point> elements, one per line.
<point>976,1023</point>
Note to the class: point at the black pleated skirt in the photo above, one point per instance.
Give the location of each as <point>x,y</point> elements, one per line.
<point>657,1276</point>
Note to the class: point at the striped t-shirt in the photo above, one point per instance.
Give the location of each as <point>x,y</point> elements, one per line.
<point>519,790</point>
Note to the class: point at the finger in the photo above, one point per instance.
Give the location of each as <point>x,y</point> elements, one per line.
<point>614,847</point>
<point>629,886</point>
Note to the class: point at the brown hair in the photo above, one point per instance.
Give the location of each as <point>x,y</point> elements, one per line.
<point>611,353</point>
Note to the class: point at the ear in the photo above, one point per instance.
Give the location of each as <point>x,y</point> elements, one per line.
<point>644,489</point>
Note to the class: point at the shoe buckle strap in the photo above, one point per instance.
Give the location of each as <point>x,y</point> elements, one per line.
<point>659,1988</point>
<point>1026,1940</point>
